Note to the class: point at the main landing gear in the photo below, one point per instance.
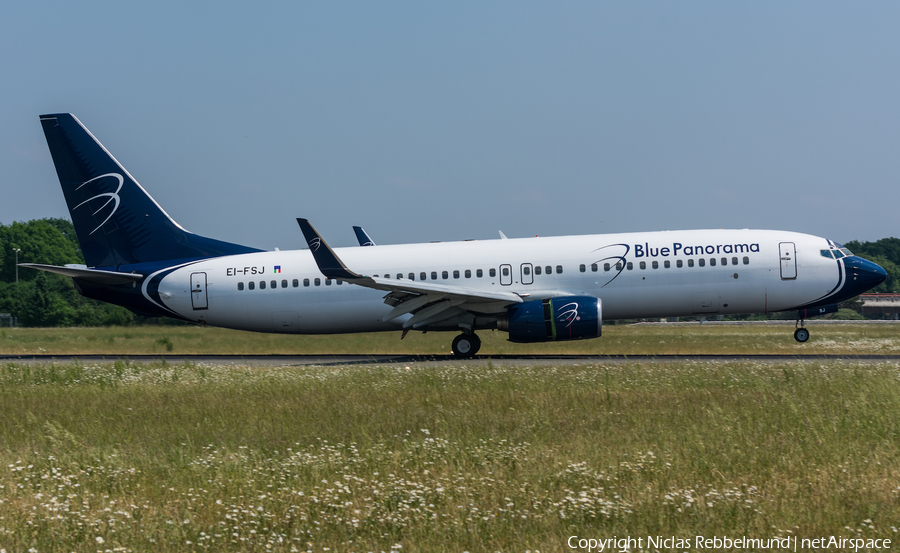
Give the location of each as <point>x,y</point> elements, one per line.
<point>466,345</point>
<point>801,334</point>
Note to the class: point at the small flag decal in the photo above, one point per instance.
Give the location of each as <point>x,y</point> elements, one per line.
<point>277,268</point>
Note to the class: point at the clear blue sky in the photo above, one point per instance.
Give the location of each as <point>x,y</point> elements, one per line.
<point>442,121</point>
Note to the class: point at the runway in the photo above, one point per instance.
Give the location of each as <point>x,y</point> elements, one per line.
<point>388,359</point>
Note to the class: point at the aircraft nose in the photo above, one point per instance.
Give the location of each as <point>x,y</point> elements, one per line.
<point>863,274</point>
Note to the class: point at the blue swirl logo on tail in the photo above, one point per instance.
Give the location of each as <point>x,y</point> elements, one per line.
<point>113,197</point>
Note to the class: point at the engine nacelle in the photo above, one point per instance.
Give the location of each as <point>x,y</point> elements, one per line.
<point>553,319</point>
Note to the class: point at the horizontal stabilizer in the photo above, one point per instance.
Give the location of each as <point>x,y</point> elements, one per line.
<point>90,275</point>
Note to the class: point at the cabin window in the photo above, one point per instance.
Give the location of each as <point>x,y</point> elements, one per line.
<point>701,262</point>
<point>619,266</point>
<point>455,274</point>
<point>690,262</point>
<point>318,282</point>
<point>479,273</point>
<point>284,284</point>
<point>643,265</point>
<point>746,260</point>
<point>240,285</point>
<point>724,261</point>
<point>385,275</point>
<point>262,284</point>
<point>399,276</point>
<point>679,263</point>
<point>305,282</point>
<point>548,269</point>
<point>629,266</point>
<point>655,265</point>
<point>667,264</point>
<point>339,282</point>
<point>492,272</point>
<point>526,270</point>
<point>593,267</point>
<point>505,271</point>
<point>422,276</point>
<point>537,269</point>
<point>606,267</point>
<point>433,275</point>
<point>251,285</point>
<point>468,273</point>
<point>295,283</point>
<point>734,261</point>
<point>327,282</point>
<point>273,284</point>
<point>559,269</point>
<point>712,261</point>
<point>445,275</point>
<point>582,268</point>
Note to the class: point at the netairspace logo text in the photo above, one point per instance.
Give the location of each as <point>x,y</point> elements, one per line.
<point>720,543</point>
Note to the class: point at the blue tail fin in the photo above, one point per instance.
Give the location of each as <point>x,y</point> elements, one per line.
<point>117,222</point>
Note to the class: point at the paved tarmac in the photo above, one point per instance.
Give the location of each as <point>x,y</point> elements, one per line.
<point>332,360</point>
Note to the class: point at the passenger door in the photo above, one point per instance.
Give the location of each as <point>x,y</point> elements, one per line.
<point>198,291</point>
<point>788,254</point>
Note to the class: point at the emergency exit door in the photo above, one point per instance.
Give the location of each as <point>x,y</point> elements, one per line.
<point>788,254</point>
<point>198,291</point>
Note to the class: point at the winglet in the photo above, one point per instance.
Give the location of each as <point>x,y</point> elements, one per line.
<point>329,264</point>
<point>363,237</point>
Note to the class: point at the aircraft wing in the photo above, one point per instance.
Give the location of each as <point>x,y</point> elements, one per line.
<point>91,275</point>
<point>431,303</point>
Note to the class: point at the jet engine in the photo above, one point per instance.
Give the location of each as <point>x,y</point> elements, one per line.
<point>553,319</point>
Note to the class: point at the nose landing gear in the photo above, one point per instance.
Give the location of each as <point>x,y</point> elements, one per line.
<point>801,334</point>
<point>466,345</point>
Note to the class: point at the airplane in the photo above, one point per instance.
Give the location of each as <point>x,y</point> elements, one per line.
<point>536,289</point>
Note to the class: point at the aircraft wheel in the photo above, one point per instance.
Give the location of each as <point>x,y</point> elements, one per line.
<point>477,341</point>
<point>465,345</point>
<point>801,335</point>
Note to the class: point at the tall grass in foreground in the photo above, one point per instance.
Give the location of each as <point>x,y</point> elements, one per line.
<point>170,458</point>
<point>841,339</point>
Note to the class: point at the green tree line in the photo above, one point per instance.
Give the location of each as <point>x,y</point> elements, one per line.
<point>46,299</point>
<point>885,252</point>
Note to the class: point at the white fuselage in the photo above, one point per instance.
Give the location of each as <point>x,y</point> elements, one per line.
<point>743,271</point>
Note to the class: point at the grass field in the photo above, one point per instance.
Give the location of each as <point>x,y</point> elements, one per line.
<point>454,457</point>
<point>843,339</point>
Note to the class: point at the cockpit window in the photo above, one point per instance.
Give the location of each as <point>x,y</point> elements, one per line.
<point>837,252</point>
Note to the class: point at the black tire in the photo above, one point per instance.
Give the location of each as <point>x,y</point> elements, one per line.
<point>465,345</point>
<point>801,335</point>
<point>477,343</point>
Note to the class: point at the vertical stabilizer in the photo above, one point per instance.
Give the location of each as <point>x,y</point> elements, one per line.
<point>116,221</point>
